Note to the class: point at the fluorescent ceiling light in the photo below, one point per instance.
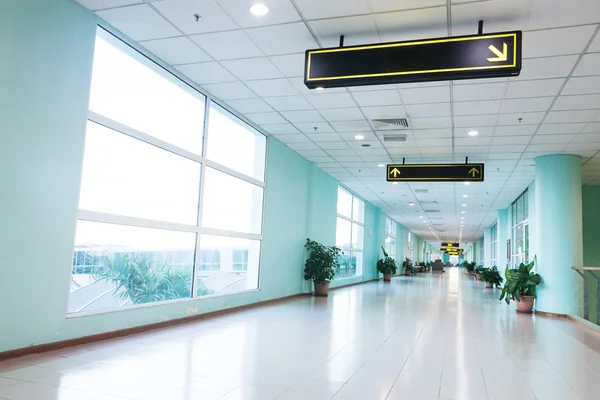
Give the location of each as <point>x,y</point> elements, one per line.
<point>380,165</point>
<point>464,205</point>
<point>359,137</point>
<point>473,133</point>
<point>411,204</point>
<point>465,195</point>
<point>259,10</point>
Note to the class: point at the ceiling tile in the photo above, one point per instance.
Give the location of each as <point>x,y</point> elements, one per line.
<point>438,94</point>
<point>324,137</point>
<point>266,118</point>
<point>535,88</point>
<point>432,133</point>
<point>379,6</point>
<point>586,138</point>
<point>356,30</point>
<point>181,14</point>
<point>547,67</point>
<point>487,91</point>
<point>502,140</point>
<point>431,123</point>
<point>209,72</point>
<point>290,64</point>
<point>382,112</point>
<point>556,117</point>
<point>595,46</point>
<point>428,110</point>
<point>331,100</point>
<point>338,153</point>
<point>477,107</point>
<point>298,83</point>
<point>250,105</point>
<point>227,45</point>
<point>416,24</point>
<point>334,145</point>
<point>302,116</point>
<point>499,16</point>
<point>230,91</point>
<point>294,139</point>
<point>475,121</point>
<point>349,136</point>
<point>314,155</point>
<point>289,103</point>
<point>557,13</point>
<point>139,22</point>
<point>560,129</point>
<point>546,147</point>
<point>280,12</point>
<point>582,85</point>
<point>581,102</point>
<point>556,42</point>
<point>589,65</point>
<point>342,114</point>
<point>531,118</point>
<point>179,50</point>
<point>474,141</point>
<point>433,142</point>
<point>377,98</point>
<point>282,39</point>
<point>318,9</point>
<point>592,128</point>
<point>371,88</point>
<point>303,146</point>
<point>526,105</point>
<point>375,147</point>
<point>309,127</point>
<point>546,139</point>
<point>272,87</point>
<point>280,129</point>
<point>103,4</point>
<point>349,126</point>
<point>252,68</point>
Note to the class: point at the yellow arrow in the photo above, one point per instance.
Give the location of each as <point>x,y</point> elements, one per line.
<point>395,172</point>
<point>500,56</point>
<point>474,171</point>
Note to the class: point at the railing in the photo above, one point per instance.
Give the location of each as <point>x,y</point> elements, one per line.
<point>590,273</point>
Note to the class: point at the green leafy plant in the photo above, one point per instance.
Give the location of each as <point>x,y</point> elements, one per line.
<point>407,264</point>
<point>323,262</point>
<point>480,270</point>
<point>387,265</point>
<point>520,282</point>
<point>492,276</point>
<point>139,279</point>
<point>469,266</point>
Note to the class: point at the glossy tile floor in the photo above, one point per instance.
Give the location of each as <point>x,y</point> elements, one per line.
<point>430,337</point>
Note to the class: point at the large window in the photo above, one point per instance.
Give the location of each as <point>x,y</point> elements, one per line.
<point>170,206</point>
<point>494,245</point>
<point>520,229</point>
<point>350,233</point>
<point>390,236</point>
<point>410,245</point>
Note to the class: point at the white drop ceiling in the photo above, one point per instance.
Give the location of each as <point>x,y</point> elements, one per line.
<point>256,66</point>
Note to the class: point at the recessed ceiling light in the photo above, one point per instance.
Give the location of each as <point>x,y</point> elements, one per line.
<point>463,212</point>
<point>420,216</point>
<point>411,204</point>
<point>259,10</point>
<point>394,183</point>
<point>359,137</point>
<point>473,133</point>
<point>380,165</point>
<point>319,88</point>
<point>467,183</point>
<point>462,217</point>
<point>464,205</point>
<point>465,195</point>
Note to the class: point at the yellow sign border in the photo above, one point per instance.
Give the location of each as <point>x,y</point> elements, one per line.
<point>391,166</point>
<point>404,44</point>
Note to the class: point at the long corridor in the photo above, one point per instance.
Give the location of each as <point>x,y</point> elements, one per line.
<point>429,337</point>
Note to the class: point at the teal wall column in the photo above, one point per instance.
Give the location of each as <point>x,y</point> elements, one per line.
<point>558,216</point>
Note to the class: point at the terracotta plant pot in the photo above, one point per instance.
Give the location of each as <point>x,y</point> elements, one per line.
<point>478,277</point>
<point>387,277</point>
<point>321,288</point>
<point>488,285</point>
<point>525,306</point>
<point>407,272</point>
<point>471,273</point>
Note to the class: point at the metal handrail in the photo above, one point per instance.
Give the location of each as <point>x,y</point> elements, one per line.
<point>592,272</point>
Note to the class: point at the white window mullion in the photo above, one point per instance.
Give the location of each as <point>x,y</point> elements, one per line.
<point>94,216</point>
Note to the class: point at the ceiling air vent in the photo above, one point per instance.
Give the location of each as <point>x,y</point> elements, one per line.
<point>394,138</point>
<point>391,123</point>
<point>432,211</point>
<point>421,191</point>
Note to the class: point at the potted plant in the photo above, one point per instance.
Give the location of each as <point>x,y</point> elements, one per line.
<point>407,265</point>
<point>491,277</point>
<point>520,286</point>
<point>470,267</point>
<point>478,272</point>
<point>387,266</point>
<point>321,266</point>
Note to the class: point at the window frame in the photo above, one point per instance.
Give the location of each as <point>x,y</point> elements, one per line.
<point>520,205</point>
<point>494,244</point>
<point>350,250</point>
<point>94,216</point>
<point>391,233</point>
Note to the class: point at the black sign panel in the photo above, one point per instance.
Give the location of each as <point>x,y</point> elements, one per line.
<point>445,244</point>
<point>434,172</point>
<point>461,57</point>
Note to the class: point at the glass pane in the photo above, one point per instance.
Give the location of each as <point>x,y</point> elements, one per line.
<point>231,204</point>
<point>358,262</point>
<point>125,176</point>
<point>519,243</point>
<point>234,144</point>
<point>238,265</point>
<point>343,231</point>
<point>358,210</point>
<point>393,230</point>
<point>525,205</point>
<point>344,203</point>
<point>130,89</point>
<point>118,265</point>
<point>526,244</point>
<point>358,233</point>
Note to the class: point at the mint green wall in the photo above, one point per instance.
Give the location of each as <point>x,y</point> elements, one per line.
<point>503,235</point>
<point>45,85</point>
<point>591,241</point>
